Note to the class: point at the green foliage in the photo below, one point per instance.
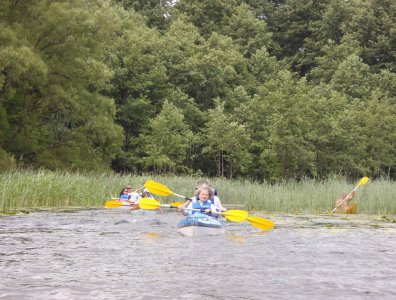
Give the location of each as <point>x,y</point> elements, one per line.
<point>290,24</point>
<point>247,31</point>
<point>352,77</point>
<point>53,79</point>
<point>167,143</point>
<point>333,55</point>
<point>269,90</point>
<point>373,24</point>
<point>31,190</point>
<point>228,142</point>
<point>208,15</point>
<point>155,11</point>
<point>7,162</point>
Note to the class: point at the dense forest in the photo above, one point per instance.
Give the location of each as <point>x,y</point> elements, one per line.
<point>264,90</point>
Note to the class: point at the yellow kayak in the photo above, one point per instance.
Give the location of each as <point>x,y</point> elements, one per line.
<point>352,209</point>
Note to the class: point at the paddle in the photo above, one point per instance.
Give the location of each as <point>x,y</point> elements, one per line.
<point>160,189</point>
<point>362,182</point>
<point>261,223</point>
<point>234,215</point>
<point>118,203</point>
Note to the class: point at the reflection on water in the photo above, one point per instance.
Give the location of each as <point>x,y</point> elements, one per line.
<point>110,254</point>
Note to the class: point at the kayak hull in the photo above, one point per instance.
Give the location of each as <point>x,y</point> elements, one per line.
<point>352,209</point>
<point>200,225</point>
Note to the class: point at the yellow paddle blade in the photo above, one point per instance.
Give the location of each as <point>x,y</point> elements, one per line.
<point>261,223</point>
<point>235,215</point>
<point>158,188</point>
<point>147,203</point>
<point>363,181</point>
<point>175,204</point>
<point>114,204</point>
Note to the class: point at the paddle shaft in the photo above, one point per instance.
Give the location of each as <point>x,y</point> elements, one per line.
<point>200,210</point>
<point>181,196</point>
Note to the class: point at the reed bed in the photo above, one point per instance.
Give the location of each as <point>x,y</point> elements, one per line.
<point>47,189</point>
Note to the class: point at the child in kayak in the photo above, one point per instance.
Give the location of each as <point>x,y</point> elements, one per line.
<point>203,204</point>
<point>214,198</point>
<point>344,206</point>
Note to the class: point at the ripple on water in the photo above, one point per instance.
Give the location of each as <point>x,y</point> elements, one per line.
<point>102,254</point>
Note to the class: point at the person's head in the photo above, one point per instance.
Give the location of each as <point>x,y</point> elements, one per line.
<point>124,191</point>
<point>146,194</point>
<point>202,185</point>
<point>204,193</point>
<point>129,188</point>
<point>202,182</point>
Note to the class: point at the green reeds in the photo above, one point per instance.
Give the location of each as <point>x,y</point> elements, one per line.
<point>47,189</point>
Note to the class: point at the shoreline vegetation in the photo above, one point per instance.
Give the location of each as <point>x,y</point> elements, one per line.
<point>30,190</point>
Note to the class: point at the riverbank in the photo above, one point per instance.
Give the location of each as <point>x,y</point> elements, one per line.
<point>24,190</point>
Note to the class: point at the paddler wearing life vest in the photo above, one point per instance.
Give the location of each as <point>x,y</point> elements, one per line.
<point>344,206</point>
<point>124,195</point>
<point>214,198</point>
<point>203,204</point>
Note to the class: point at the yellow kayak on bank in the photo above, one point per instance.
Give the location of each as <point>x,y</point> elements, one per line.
<point>351,210</point>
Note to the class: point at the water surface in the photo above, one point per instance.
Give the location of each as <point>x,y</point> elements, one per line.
<point>110,254</point>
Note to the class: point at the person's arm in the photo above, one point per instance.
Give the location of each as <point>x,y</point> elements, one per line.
<point>134,198</point>
<point>213,211</point>
<point>187,211</point>
<point>185,204</point>
<point>218,204</point>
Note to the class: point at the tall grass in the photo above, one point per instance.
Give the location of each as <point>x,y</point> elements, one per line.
<point>47,189</point>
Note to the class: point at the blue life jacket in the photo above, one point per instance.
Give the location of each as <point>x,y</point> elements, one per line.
<point>205,205</point>
<point>125,197</point>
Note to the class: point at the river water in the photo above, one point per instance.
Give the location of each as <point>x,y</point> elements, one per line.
<point>111,254</point>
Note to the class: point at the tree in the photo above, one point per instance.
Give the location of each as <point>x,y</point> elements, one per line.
<point>167,142</point>
<point>52,90</point>
<point>228,142</point>
<point>352,77</point>
<point>156,11</point>
<point>250,33</point>
<point>373,24</point>
<point>333,55</point>
<point>209,16</point>
<point>290,24</point>
<point>280,119</point>
<point>380,129</point>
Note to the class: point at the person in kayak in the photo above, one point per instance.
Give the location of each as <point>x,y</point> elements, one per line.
<point>344,206</point>
<point>146,194</point>
<point>124,195</point>
<point>134,195</point>
<point>201,204</point>
<point>214,198</point>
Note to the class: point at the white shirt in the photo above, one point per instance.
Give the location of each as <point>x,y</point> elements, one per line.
<point>217,203</point>
<point>135,197</point>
